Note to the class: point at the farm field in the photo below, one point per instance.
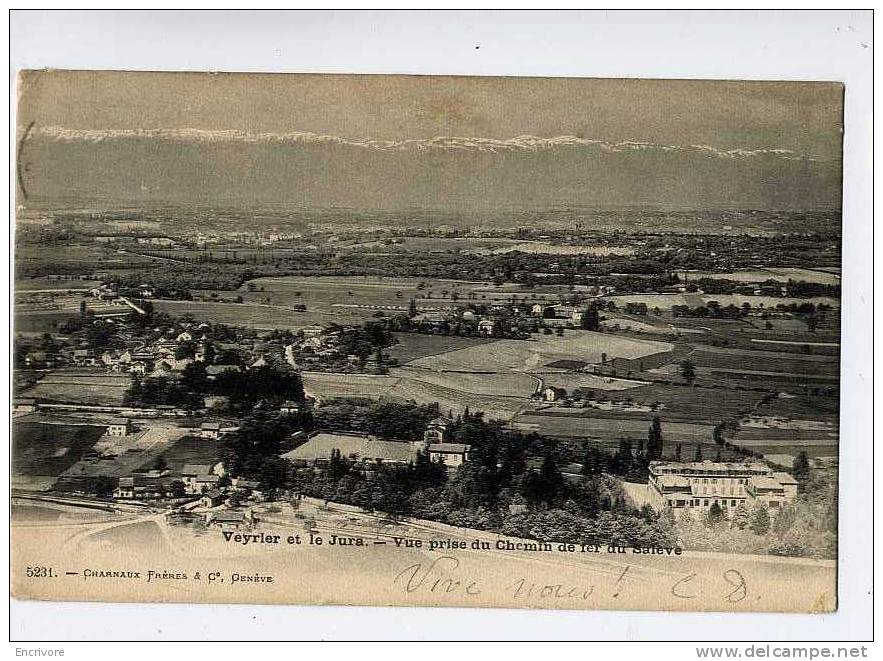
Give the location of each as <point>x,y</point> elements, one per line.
<point>546,248</point>
<point>529,355</point>
<point>455,401</point>
<point>369,294</point>
<point>39,322</point>
<point>572,380</point>
<point>411,346</point>
<point>779,274</point>
<point>453,391</point>
<point>666,301</point>
<point>817,407</point>
<point>190,450</point>
<point>328,384</point>
<point>81,387</point>
<point>119,455</point>
<point>767,361</point>
<point>40,449</point>
<point>80,258</point>
<point>790,344</point>
<point>324,291</point>
<point>25,285</point>
<point>661,328</point>
<point>579,425</point>
<point>696,403</point>
<point>261,317</point>
<point>503,383</point>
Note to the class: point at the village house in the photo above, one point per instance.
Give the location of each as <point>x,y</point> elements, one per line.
<point>139,367</point>
<point>140,487</point>
<point>452,454</point>
<point>211,498</point>
<point>213,371</point>
<point>204,483</point>
<point>119,427</point>
<point>312,331</point>
<point>162,369</point>
<point>437,430</point>
<point>24,405</point>
<point>190,473</point>
<point>84,358</point>
<point>553,394</point>
<point>698,485</point>
<point>250,488</point>
<point>230,519</point>
<point>289,407</point>
<point>210,430</point>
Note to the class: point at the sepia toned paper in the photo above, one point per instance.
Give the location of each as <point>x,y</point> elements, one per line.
<point>426,340</point>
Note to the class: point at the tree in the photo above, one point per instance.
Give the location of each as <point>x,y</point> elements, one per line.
<point>186,349</point>
<point>590,319</point>
<point>551,478</point>
<point>800,466</point>
<point>623,459</point>
<point>715,514</point>
<point>698,455</point>
<point>760,520</point>
<point>654,440</point>
<point>194,377</point>
<point>688,371</point>
<point>678,452</point>
<point>741,517</point>
<point>412,308</point>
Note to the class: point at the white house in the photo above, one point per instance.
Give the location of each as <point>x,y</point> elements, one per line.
<point>553,394</point>
<point>119,427</point>
<point>210,430</point>
<point>452,454</point>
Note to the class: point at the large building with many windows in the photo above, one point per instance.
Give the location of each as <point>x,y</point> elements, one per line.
<point>697,485</point>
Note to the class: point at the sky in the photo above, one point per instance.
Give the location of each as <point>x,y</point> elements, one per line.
<point>803,118</point>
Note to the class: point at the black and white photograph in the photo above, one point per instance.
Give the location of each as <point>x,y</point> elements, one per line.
<point>473,341</point>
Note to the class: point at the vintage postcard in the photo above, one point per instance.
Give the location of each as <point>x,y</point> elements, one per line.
<point>420,340</point>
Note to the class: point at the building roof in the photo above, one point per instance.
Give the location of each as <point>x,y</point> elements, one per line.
<point>765,483</point>
<point>207,478</point>
<point>196,469</point>
<point>214,493</point>
<point>441,421</point>
<point>714,466</point>
<point>673,482</point>
<point>214,426</point>
<point>214,370</point>
<point>360,446</point>
<point>449,448</point>
<point>783,478</point>
<point>119,421</point>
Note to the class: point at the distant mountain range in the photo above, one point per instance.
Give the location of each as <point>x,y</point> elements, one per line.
<point>239,168</point>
